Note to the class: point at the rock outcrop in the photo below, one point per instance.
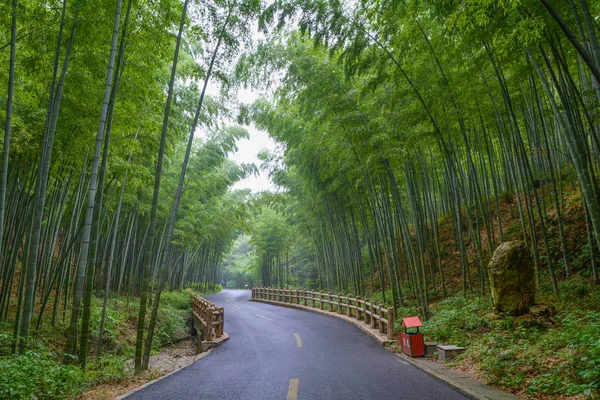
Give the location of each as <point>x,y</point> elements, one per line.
<point>512,278</point>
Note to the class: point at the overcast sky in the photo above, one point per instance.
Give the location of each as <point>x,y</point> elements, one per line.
<point>248,150</point>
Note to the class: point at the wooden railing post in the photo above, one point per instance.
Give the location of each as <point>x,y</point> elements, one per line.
<point>381,308</point>
<point>373,316</point>
<point>390,323</point>
<point>209,323</point>
<point>358,313</point>
<point>339,303</point>
<point>312,298</point>
<point>348,304</point>
<point>220,322</point>
<point>321,299</point>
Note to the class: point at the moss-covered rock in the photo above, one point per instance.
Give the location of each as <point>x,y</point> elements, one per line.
<point>512,282</point>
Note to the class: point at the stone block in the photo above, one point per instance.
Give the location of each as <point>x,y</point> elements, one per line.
<point>430,348</point>
<point>512,280</point>
<point>448,352</point>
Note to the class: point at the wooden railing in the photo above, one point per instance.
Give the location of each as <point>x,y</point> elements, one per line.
<point>377,316</point>
<point>211,317</point>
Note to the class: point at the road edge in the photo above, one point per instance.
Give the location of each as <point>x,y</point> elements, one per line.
<point>145,385</point>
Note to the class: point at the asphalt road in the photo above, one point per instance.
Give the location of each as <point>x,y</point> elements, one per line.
<point>280,353</point>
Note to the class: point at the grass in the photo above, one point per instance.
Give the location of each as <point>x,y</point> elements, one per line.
<point>39,373</point>
<point>527,359</point>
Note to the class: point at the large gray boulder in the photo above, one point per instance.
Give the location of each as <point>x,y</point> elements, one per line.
<point>512,278</point>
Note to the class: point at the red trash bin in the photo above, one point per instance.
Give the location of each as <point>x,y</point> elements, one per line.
<point>412,343</point>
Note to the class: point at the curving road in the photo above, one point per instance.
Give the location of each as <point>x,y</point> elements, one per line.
<point>286,354</point>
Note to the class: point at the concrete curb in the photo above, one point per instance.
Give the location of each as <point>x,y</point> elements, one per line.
<point>197,358</point>
<point>381,338</point>
<point>207,345</point>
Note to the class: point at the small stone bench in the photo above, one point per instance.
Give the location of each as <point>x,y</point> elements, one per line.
<point>448,352</point>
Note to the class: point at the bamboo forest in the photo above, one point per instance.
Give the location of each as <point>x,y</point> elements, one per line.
<point>411,139</point>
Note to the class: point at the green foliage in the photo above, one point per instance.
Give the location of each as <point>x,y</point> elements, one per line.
<point>205,289</point>
<point>174,317</point>
<point>39,376</point>
<point>40,373</point>
<point>231,285</point>
<point>559,361</point>
<point>116,321</point>
<point>573,290</point>
<point>6,339</point>
<point>170,326</point>
<point>454,318</point>
<point>108,369</point>
<point>179,300</point>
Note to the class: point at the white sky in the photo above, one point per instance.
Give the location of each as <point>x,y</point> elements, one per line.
<point>248,150</point>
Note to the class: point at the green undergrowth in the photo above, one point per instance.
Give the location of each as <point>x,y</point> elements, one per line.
<point>530,359</point>
<point>204,289</point>
<point>39,372</point>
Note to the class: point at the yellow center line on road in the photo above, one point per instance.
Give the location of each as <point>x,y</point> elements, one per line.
<point>293,389</point>
<point>260,316</point>
<point>298,340</point>
<point>236,306</point>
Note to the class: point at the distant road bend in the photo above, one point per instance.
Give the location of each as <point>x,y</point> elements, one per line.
<point>282,353</point>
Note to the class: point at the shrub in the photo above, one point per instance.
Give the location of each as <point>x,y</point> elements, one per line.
<point>455,316</point>
<point>180,300</point>
<point>36,375</point>
<point>170,325</point>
